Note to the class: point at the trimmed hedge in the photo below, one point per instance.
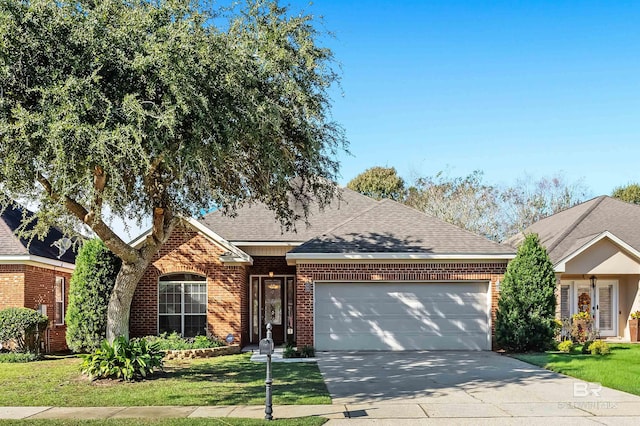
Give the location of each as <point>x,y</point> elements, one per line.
<point>23,326</point>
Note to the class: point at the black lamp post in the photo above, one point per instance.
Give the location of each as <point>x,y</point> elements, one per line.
<point>593,280</point>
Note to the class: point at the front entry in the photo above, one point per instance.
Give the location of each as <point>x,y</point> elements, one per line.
<point>272,301</point>
<point>600,301</point>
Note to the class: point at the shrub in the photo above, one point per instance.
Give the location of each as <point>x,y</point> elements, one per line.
<point>23,326</point>
<point>91,284</point>
<point>565,346</point>
<point>174,342</point>
<point>635,315</point>
<point>124,359</point>
<point>582,328</point>
<point>15,357</point>
<point>308,352</point>
<point>586,346</point>
<point>599,348</point>
<point>527,301</point>
<point>289,352</point>
<point>305,352</point>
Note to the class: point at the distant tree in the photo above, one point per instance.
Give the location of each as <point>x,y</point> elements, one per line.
<point>379,183</point>
<point>466,202</point>
<point>527,301</point>
<point>530,200</point>
<point>153,110</point>
<point>629,193</point>
<point>91,284</point>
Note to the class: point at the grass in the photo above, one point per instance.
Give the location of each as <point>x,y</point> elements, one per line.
<point>618,370</point>
<point>227,380</point>
<point>227,421</point>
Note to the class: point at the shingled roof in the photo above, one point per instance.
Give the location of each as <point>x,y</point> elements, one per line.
<point>10,244</point>
<point>565,232</point>
<point>391,227</point>
<point>256,223</point>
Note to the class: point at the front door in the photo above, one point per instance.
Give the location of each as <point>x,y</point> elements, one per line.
<point>273,307</point>
<point>605,308</point>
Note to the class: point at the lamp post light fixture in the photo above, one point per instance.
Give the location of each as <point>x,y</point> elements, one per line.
<point>593,280</point>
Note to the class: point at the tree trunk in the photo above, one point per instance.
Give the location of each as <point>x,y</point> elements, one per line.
<point>119,308</point>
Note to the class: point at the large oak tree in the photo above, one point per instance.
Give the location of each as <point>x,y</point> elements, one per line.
<point>156,109</point>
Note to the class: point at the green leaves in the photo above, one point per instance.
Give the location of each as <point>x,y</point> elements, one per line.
<point>124,359</point>
<point>527,303</point>
<point>23,326</point>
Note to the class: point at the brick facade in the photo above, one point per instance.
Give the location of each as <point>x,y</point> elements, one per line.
<point>30,286</point>
<point>418,272</point>
<point>227,286</point>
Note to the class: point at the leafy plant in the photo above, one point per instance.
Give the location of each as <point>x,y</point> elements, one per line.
<point>582,328</point>
<point>13,357</point>
<point>289,352</point>
<point>581,316</point>
<point>599,348</point>
<point>586,347</point>
<point>23,326</point>
<point>91,284</point>
<point>308,352</point>
<point>527,301</point>
<point>565,346</point>
<point>175,342</point>
<point>635,315</point>
<point>124,359</point>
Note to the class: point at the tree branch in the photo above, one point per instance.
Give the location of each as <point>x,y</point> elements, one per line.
<point>121,249</point>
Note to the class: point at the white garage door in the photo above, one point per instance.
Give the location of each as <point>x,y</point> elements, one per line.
<point>402,316</point>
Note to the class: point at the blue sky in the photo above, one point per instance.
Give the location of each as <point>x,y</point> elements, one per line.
<point>510,88</point>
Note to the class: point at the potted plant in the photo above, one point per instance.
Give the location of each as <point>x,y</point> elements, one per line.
<point>581,327</point>
<point>634,330</point>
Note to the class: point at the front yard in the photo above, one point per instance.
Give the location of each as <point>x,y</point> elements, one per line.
<point>226,380</point>
<point>618,370</point>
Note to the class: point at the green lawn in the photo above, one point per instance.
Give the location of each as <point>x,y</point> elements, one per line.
<point>226,380</point>
<point>618,370</point>
<point>226,421</point>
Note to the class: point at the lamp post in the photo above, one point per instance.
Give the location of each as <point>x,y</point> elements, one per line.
<point>266,348</point>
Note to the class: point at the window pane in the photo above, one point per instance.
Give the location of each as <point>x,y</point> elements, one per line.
<point>59,300</point>
<point>169,324</point>
<point>565,307</point>
<point>195,325</point>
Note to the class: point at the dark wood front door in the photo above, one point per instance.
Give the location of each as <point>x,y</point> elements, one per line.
<point>273,308</point>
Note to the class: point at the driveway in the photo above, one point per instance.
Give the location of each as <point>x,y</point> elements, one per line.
<point>463,385</point>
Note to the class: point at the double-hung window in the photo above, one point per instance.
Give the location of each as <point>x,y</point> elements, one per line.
<point>182,304</point>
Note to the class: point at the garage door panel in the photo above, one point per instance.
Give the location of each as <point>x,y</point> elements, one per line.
<point>401,316</point>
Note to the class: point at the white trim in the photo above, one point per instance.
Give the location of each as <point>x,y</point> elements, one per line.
<point>182,299</point>
<point>267,243</point>
<point>561,265</point>
<point>593,293</point>
<point>59,279</point>
<point>236,256</point>
<point>293,257</point>
<point>43,262</point>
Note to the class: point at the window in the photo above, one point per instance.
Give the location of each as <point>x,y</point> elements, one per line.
<point>59,306</point>
<point>565,301</point>
<point>182,304</point>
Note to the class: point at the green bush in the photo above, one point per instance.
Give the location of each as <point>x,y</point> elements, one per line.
<point>124,359</point>
<point>308,352</point>
<point>10,357</point>
<point>599,348</point>
<point>565,346</point>
<point>289,352</point>
<point>91,284</point>
<point>586,347</point>
<point>525,319</point>
<point>24,327</point>
<point>174,342</point>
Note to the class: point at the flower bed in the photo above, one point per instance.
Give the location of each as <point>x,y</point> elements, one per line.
<point>203,353</point>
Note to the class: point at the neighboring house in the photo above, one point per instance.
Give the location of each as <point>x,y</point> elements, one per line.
<point>32,276</point>
<point>595,250</point>
<point>363,275</point>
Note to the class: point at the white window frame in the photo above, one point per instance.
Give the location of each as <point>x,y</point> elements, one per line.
<point>182,300</point>
<point>573,303</point>
<point>59,304</point>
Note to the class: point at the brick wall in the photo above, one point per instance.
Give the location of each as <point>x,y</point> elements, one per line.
<point>385,272</point>
<point>227,286</point>
<point>11,286</point>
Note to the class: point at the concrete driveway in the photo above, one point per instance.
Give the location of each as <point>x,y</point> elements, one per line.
<point>465,385</point>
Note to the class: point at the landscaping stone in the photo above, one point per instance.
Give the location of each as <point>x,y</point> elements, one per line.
<point>202,353</point>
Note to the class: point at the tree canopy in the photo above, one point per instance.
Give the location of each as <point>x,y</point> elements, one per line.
<point>629,193</point>
<point>159,109</point>
<point>379,183</point>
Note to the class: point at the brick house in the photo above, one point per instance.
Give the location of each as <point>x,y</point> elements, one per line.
<point>33,276</point>
<point>361,275</point>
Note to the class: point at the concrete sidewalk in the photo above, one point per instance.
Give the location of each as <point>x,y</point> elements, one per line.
<point>568,413</point>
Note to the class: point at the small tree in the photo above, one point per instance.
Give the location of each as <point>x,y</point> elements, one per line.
<point>527,303</point>
<point>91,284</point>
<point>629,193</point>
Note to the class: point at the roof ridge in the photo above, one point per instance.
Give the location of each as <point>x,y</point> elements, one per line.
<point>575,224</point>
